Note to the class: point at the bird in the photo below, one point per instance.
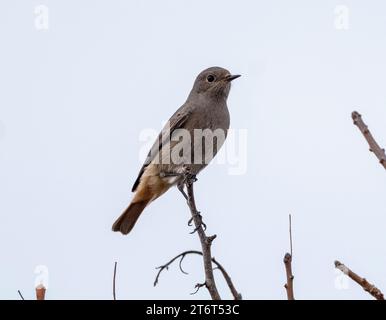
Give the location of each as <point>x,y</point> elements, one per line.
<point>205,110</point>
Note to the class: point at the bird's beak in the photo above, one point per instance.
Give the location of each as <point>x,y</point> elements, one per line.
<point>231,77</point>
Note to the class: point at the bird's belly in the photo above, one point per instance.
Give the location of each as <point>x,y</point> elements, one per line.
<point>191,149</point>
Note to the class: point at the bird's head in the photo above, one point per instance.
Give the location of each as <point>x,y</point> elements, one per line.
<point>214,82</point>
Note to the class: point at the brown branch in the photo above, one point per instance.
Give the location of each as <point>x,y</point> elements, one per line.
<point>114,277</point>
<point>235,293</point>
<point>370,288</point>
<point>374,146</point>
<point>289,286</point>
<point>40,292</point>
<point>206,242</point>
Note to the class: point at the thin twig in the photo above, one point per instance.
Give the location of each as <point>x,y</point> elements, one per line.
<point>374,146</point>
<point>40,292</point>
<point>290,233</point>
<point>370,288</point>
<point>206,242</point>
<point>235,293</point>
<point>198,286</point>
<point>166,266</point>
<point>114,277</point>
<point>21,296</point>
<point>289,286</point>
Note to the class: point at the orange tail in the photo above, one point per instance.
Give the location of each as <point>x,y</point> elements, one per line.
<point>129,217</point>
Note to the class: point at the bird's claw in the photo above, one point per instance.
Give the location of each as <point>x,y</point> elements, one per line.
<point>189,178</point>
<point>201,223</point>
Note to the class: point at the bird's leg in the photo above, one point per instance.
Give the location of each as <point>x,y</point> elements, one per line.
<point>180,184</point>
<point>189,179</point>
<point>180,187</point>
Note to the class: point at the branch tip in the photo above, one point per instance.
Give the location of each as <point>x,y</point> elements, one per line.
<point>368,287</point>
<point>373,145</point>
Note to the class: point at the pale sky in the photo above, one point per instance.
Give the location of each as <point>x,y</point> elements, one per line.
<point>75,99</point>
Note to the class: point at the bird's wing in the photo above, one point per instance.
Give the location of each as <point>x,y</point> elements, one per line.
<point>175,122</point>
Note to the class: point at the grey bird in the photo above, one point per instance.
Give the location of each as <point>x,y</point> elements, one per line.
<point>206,111</point>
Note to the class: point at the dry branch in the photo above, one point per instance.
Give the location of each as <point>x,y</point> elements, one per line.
<point>374,146</point>
<point>289,286</point>
<point>181,256</point>
<point>374,291</point>
<point>40,292</point>
<point>206,242</point>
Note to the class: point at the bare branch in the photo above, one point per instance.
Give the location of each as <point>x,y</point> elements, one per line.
<point>370,288</point>
<point>289,286</point>
<point>235,293</point>
<point>114,278</point>
<point>374,146</point>
<point>180,265</point>
<point>206,242</point>
<point>21,296</point>
<point>166,266</point>
<point>40,292</point>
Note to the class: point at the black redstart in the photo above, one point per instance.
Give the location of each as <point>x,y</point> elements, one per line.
<point>189,141</point>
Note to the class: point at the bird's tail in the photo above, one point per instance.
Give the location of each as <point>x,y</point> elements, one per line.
<point>129,217</point>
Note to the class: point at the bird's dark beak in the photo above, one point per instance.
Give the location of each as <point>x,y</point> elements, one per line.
<point>231,77</point>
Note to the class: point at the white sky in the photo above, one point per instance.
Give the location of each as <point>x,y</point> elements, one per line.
<point>74,100</point>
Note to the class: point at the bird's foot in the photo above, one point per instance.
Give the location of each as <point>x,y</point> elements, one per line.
<point>200,224</point>
<point>189,177</point>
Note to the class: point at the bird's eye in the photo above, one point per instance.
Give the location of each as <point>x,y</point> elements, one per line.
<point>210,78</point>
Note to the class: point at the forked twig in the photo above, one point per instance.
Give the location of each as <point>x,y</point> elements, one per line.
<point>181,256</point>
